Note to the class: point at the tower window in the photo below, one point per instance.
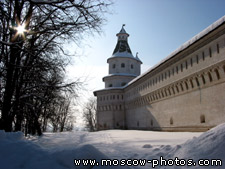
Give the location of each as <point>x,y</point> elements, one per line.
<point>131,66</point>
<point>122,65</point>
<point>114,66</point>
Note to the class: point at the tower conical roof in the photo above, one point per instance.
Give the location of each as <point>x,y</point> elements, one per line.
<point>122,43</point>
<point>122,48</point>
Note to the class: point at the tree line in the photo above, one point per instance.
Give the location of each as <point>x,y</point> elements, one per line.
<point>33,34</point>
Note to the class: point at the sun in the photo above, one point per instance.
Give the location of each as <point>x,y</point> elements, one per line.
<point>20,29</point>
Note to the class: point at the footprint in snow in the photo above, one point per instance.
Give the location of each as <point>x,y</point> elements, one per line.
<point>156,149</point>
<point>147,146</point>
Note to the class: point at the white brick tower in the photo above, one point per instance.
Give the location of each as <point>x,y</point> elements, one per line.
<point>123,66</point>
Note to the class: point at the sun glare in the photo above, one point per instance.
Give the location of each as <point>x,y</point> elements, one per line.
<point>21,29</point>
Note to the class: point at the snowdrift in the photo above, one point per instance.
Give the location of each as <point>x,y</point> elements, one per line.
<point>16,152</point>
<point>210,145</point>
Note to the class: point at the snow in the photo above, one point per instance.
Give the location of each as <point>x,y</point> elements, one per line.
<point>108,88</point>
<point>124,55</point>
<point>120,74</point>
<point>59,150</point>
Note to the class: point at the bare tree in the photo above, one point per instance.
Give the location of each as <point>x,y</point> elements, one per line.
<point>63,117</point>
<point>32,57</point>
<point>89,114</point>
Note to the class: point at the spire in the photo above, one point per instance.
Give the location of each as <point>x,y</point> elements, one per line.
<point>122,43</point>
<point>122,35</point>
<point>123,30</point>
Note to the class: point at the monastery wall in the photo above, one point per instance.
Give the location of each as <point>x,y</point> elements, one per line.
<point>184,93</point>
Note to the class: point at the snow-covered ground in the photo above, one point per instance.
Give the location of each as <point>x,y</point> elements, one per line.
<point>130,148</point>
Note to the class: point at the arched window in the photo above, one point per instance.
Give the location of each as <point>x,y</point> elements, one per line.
<point>186,85</point>
<point>165,93</point>
<point>192,85</point>
<point>203,79</point>
<point>110,85</point>
<point>122,65</point>
<point>173,90</point>
<point>156,97</point>
<point>218,48</point>
<point>151,122</point>
<point>169,91</point>
<point>171,120</point>
<point>162,94</point>
<point>177,89</point>
<point>217,74</point>
<point>196,79</point>
<point>131,66</point>
<point>210,52</point>
<point>210,76</point>
<point>202,118</point>
<point>181,86</point>
<point>114,66</point>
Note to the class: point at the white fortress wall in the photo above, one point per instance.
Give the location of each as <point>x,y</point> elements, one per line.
<point>186,92</point>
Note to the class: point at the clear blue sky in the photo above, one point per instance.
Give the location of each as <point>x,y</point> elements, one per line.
<point>156,28</point>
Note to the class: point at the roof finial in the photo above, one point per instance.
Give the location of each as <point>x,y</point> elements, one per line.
<point>123,25</point>
<point>136,54</point>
